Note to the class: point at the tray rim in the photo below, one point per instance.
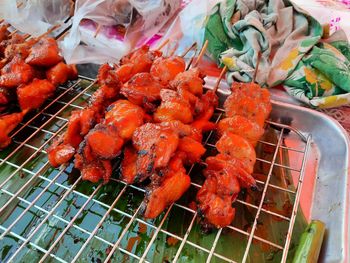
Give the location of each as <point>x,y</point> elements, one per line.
<point>347,140</point>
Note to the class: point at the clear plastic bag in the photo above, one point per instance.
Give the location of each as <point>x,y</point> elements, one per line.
<point>35,17</point>
<point>105,30</point>
<point>189,25</point>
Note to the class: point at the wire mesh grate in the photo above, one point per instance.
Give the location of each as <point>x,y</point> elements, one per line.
<point>51,214</point>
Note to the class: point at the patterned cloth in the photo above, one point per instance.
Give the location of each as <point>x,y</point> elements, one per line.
<point>293,53</point>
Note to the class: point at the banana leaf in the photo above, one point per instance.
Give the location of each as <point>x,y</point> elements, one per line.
<point>231,244</point>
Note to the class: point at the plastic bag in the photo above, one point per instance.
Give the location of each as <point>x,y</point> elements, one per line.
<point>35,17</point>
<point>105,30</point>
<point>189,25</point>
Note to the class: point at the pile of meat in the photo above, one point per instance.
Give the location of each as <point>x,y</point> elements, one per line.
<point>30,71</point>
<point>246,110</point>
<point>153,112</point>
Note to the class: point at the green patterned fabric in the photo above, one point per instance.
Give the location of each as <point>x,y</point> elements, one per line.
<point>293,53</point>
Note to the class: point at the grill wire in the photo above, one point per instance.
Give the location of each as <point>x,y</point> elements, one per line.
<point>34,171</point>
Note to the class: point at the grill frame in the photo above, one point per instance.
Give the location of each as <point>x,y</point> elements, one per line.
<point>64,90</point>
<point>133,218</point>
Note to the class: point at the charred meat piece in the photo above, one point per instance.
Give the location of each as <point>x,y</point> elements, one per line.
<point>217,209</point>
<point>249,100</point>
<point>7,124</point>
<point>34,94</point>
<point>155,146</point>
<point>236,146</point>
<point>139,61</point>
<point>60,73</point>
<point>172,108</point>
<point>142,90</point>
<point>6,96</point>
<point>63,148</point>
<point>4,33</point>
<point>128,167</point>
<point>92,169</point>
<point>82,121</point>
<point>243,127</point>
<point>15,73</point>
<point>45,53</point>
<point>14,39</point>
<point>166,189</point>
<point>234,166</point>
<point>224,178</point>
<point>126,117</point>
<point>106,140</point>
<point>22,50</point>
<point>166,69</point>
<point>142,57</point>
<point>204,111</point>
<point>190,80</point>
<point>107,75</point>
<point>192,149</point>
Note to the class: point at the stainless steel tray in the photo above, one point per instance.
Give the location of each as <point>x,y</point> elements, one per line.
<point>41,207</point>
<point>325,190</point>
<point>325,193</point>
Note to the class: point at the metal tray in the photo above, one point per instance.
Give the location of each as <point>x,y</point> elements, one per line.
<point>325,193</point>
<point>47,207</point>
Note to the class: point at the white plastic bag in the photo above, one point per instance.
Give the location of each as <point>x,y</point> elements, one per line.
<point>141,19</point>
<point>35,17</point>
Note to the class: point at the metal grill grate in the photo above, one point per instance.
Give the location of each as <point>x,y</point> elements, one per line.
<point>49,214</point>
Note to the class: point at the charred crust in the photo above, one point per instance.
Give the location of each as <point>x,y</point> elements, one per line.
<point>110,107</point>
<point>150,167</point>
<point>255,188</point>
<point>142,152</point>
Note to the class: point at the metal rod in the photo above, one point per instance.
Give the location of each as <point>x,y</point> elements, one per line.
<point>262,198</point>
<point>116,244</point>
<point>188,231</point>
<point>23,186</point>
<point>214,245</point>
<point>32,244</point>
<point>296,202</point>
<point>154,236</point>
<point>44,220</point>
<point>134,216</point>
<point>93,233</point>
<point>70,223</point>
<point>31,204</point>
<point>67,222</point>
